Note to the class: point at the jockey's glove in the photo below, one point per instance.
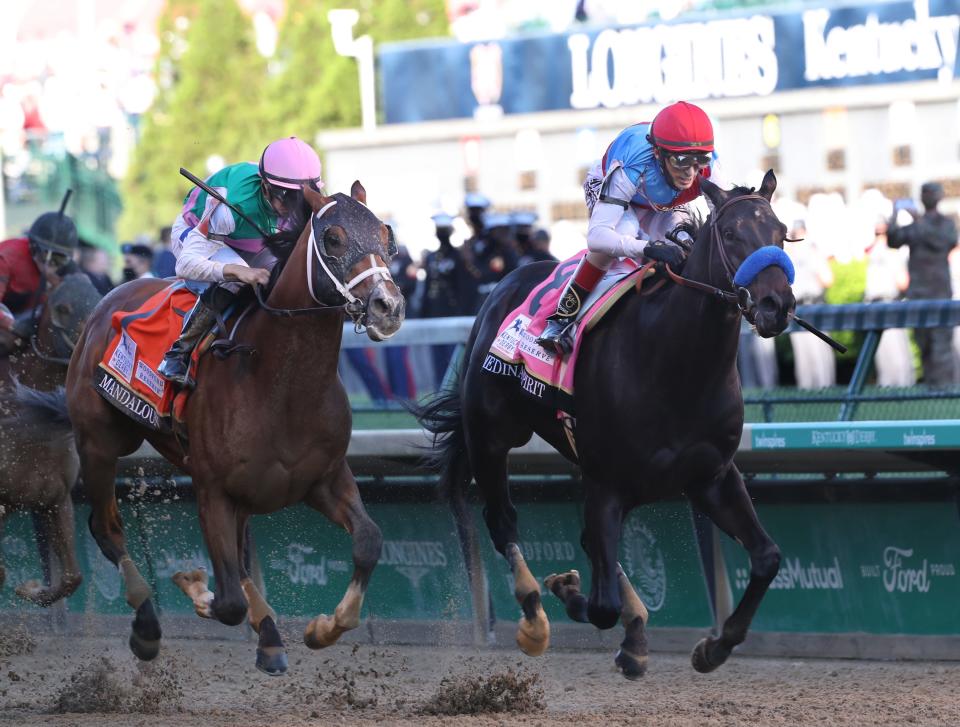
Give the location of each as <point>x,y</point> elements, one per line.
<point>664,251</point>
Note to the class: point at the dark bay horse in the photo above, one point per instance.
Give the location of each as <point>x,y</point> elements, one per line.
<point>659,413</point>
<point>38,461</point>
<point>38,468</point>
<point>41,361</point>
<point>265,431</point>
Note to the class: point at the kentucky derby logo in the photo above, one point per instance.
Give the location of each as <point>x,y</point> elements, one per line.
<point>643,564</point>
<point>486,73</point>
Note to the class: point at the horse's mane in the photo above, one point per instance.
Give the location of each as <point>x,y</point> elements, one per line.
<point>694,220</point>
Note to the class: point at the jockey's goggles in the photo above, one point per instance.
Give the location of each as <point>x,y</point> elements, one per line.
<point>684,160</point>
<point>283,195</point>
<point>53,258</point>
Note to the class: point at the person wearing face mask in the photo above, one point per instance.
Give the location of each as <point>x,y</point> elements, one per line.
<point>30,267</point>
<point>449,288</point>
<point>213,243</point>
<point>137,261</point>
<point>633,195</point>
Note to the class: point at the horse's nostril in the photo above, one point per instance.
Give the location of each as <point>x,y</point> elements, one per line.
<point>768,306</point>
<point>379,306</point>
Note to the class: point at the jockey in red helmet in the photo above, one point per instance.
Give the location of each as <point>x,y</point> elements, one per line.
<point>215,244</point>
<point>634,194</point>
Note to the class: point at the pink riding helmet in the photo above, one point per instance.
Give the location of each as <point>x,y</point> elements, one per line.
<point>290,163</point>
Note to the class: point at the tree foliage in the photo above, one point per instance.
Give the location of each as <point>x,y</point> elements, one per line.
<point>219,96</point>
<point>210,108</point>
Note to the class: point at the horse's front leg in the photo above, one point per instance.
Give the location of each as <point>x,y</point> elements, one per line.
<point>339,499</point>
<point>219,518</point>
<point>271,654</point>
<point>603,520</point>
<point>727,503</point>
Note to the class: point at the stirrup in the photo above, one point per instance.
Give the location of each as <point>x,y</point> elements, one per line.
<point>556,337</point>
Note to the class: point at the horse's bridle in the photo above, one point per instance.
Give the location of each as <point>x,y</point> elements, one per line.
<point>739,295</point>
<point>354,306</point>
<point>71,344</point>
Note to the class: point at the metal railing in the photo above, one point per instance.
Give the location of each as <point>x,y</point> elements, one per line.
<point>868,318</point>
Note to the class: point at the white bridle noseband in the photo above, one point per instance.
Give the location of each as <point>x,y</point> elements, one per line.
<point>344,289</point>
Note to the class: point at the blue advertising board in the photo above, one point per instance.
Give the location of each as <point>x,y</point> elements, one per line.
<point>735,56</point>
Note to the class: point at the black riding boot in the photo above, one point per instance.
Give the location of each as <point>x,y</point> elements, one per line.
<point>176,362</point>
<point>556,336</point>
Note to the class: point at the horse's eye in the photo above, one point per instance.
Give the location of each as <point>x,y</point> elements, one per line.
<point>335,241</point>
<point>728,234</point>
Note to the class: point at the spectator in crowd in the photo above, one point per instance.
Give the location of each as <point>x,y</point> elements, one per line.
<point>164,261</point>
<point>815,366</point>
<point>476,205</point>
<point>449,289</point>
<point>887,281</point>
<point>930,238</point>
<point>540,246</point>
<point>399,375</point>
<point>527,243</point>
<point>95,263</point>
<point>137,261</point>
<point>493,256</point>
<point>363,362</point>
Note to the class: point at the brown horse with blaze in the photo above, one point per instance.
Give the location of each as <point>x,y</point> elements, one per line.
<point>265,431</point>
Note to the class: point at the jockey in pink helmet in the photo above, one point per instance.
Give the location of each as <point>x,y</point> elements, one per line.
<point>215,244</point>
<point>634,195</point>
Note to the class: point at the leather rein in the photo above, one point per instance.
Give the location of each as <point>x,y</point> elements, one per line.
<point>740,296</point>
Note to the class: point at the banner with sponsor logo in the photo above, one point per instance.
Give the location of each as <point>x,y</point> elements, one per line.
<point>739,55</point>
<point>307,563</point>
<point>885,568</point>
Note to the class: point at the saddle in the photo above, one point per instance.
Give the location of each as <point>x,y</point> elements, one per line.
<point>543,375</point>
<point>127,374</point>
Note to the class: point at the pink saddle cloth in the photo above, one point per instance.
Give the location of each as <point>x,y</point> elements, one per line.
<point>515,352</point>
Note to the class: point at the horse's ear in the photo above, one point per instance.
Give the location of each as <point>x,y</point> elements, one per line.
<point>358,192</point>
<point>315,199</point>
<point>713,193</point>
<point>768,185</point>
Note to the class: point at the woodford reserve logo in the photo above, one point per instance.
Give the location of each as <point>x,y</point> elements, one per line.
<point>644,565</point>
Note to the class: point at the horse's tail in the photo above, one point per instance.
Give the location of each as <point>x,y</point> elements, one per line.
<point>442,417</point>
<point>40,410</point>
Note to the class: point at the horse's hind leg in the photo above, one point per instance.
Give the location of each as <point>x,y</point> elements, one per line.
<point>99,474</point>
<point>339,500</point>
<point>58,522</point>
<point>271,655</point>
<point>634,651</point>
<point>728,504</point>
<point>490,470</point>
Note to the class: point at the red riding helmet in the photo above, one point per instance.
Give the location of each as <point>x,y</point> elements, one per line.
<point>682,127</point>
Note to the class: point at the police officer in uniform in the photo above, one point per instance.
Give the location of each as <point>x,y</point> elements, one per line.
<point>930,238</point>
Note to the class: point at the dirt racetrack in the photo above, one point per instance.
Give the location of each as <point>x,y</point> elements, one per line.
<point>96,682</point>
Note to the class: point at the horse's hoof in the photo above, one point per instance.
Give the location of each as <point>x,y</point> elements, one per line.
<point>321,632</point>
<point>533,634</point>
<point>34,592</point>
<point>708,655</point>
<point>633,667</point>
<point>144,649</point>
<point>272,660</point>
